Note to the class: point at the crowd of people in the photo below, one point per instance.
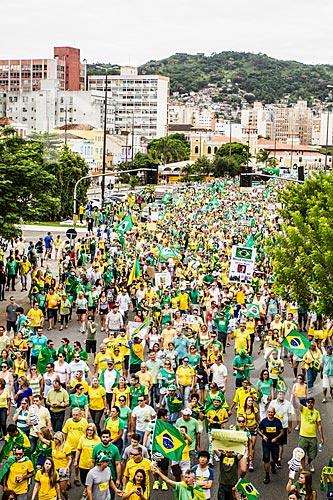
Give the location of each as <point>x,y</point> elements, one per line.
<point>157,322</point>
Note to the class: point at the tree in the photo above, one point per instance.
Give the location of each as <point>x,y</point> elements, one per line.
<point>236,150</point>
<point>196,171</point>
<point>169,149</point>
<point>303,252</point>
<point>225,165</point>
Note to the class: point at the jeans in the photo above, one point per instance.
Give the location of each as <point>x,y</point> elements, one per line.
<point>11,280</point>
<point>3,421</point>
<point>185,391</point>
<point>312,375</point>
<point>57,420</point>
<point>155,392</point>
<point>2,291</point>
<point>33,442</point>
<point>96,416</point>
<point>141,434</point>
<point>24,281</point>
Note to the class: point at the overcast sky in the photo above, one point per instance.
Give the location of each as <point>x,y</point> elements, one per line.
<point>134,31</point>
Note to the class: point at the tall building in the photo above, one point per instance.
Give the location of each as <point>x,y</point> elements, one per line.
<point>51,107</point>
<point>140,101</point>
<point>27,74</point>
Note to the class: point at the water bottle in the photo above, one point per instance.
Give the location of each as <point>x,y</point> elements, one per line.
<point>320,448</point>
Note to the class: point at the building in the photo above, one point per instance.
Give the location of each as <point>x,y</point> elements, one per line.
<point>20,129</point>
<point>291,155</point>
<point>141,101</point>
<point>51,107</point>
<point>205,143</point>
<point>27,74</point>
<point>83,147</point>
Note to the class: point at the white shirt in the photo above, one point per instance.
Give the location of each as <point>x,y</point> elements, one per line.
<point>62,370</point>
<point>75,366</point>
<point>109,379</point>
<point>124,301</point>
<point>282,411</point>
<point>219,372</point>
<point>143,417</point>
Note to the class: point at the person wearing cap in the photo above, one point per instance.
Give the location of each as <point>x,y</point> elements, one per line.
<point>221,323</point>
<point>312,364</point>
<point>310,423</point>
<point>192,427</point>
<point>242,339</point>
<point>216,419</point>
<point>173,402</point>
<point>283,411</point>
<point>326,372</point>
<point>99,480</point>
<point>275,365</point>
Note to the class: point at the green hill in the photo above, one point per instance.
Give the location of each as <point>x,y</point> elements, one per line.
<point>267,78</point>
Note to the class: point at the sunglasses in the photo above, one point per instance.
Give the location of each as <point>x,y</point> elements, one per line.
<point>134,454</point>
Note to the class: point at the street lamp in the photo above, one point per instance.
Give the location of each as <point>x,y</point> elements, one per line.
<point>104,131</point>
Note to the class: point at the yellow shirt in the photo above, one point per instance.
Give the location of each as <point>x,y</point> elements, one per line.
<point>96,395</point>
<point>101,360</point>
<point>130,486</point>
<point>109,344</point>
<point>117,392</point>
<point>19,469</point>
<point>86,446</point>
<point>241,394</point>
<point>4,397</point>
<point>145,378</point>
<point>122,343</point>
<point>74,431</point>
<point>183,300</point>
<point>241,340</point>
<point>46,491</point>
<point>59,456</point>
<point>186,452</point>
<point>185,375</point>
<point>118,361</point>
<point>167,336</point>
<point>132,467</point>
<point>309,419</point>
<point>52,301</point>
<point>250,418</point>
<point>83,383</point>
<point>36,316</point>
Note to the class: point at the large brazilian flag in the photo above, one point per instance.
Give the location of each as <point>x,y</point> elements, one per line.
<point>296,343</point>
<point>168,441</point>
<point>247,488</point>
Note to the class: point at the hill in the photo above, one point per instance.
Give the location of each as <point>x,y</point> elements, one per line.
<point>268,79</point>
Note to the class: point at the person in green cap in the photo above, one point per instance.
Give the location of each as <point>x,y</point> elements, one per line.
<point>242,364</point>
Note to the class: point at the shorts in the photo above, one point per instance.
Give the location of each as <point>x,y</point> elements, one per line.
<point>52,313</point>
<point>61,477</point>
<point>270,451</point>
<point>163,390</point>
<point>254,431</point>
<point>327,381</point>
<point>284,438</point>
<point>309,445</point>
<point>104,311</point>
<point>81,311</point>
<point>295,364</point>
<point>163,464</point>
<point>202,387</point>
<point>91,346</point>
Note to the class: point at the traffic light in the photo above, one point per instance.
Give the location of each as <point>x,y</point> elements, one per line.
<point>246,180</point>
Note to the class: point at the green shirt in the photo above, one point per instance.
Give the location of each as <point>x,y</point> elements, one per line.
<point>192,429</point>
<point>110,451</point>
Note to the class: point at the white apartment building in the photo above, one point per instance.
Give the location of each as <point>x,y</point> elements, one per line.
<point>49,108</point>
<point>141,101</point>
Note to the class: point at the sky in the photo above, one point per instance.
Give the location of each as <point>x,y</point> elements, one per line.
<point>134,32</point>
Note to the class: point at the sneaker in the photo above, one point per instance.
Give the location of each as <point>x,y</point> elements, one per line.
<point>251,468</point>
<point>324,401</point>
<point>267,479</point>
<point>156,485</point>
<point>311,468</point>
<point>164,486</point>
<point>278,464</point>
<point>102,329</point>
<point>273,469</point>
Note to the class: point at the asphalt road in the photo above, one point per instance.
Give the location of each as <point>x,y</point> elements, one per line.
<point>276,489</point>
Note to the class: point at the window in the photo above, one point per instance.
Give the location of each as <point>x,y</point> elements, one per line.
<point>209,150</point>
<point>196,150</point>
<point>215,149</point>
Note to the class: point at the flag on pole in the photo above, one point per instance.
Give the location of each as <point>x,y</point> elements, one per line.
<point>253,311</point>
<point>168,441</point>
<point>142,326</point>
<point>296,343</point>
<point>135,273</point>
<point>281,384</point>
<point>124,225</point>
<point>250,242</point>
<point>247,488</point>
<point>167,253</point>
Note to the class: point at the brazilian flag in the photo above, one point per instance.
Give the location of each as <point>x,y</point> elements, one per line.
<point>168,441</point>
<point>253,311</point>
<point>167,253</point>
<point>124,225</point>
<point>243,253</point>
<point>247,488</point>
<point>296,343</point>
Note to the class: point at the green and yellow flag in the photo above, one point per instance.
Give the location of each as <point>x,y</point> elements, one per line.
<point>243,253</point>
<point>135,273</point>
<point>253,311</point>
<point>247,488</point>
<point>168,441</point>
<point>167,253</point>
<point>124,225</point>
<point>250,242</point>
<point>142,326</point>
<point>296,343</point>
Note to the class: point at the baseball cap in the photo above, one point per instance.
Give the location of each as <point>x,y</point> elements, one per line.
<point>171,387</point>
<point>329,347</point>
<point>187,411</point>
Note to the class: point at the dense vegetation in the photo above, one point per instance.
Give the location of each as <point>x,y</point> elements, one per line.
<point>257,75</point>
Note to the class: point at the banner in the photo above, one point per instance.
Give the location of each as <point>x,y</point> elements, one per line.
<point>163,279</point>
<point>242,264</point>
<point>229,440</point>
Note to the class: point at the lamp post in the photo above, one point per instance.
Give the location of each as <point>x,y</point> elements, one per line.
<point>104,131</point>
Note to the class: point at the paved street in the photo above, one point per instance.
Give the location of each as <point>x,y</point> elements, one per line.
<point>277,486</point>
